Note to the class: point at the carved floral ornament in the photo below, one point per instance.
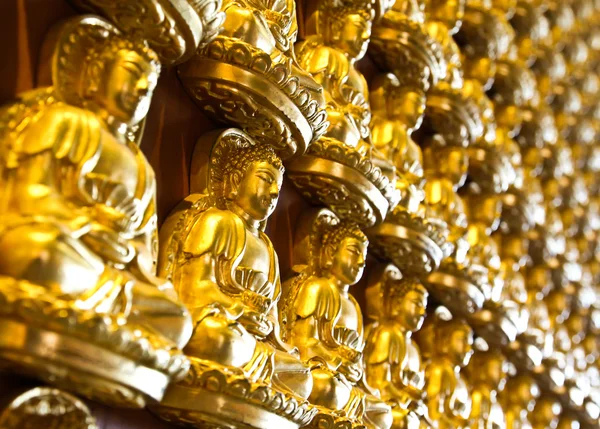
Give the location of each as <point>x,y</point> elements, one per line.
<point>448,149</point>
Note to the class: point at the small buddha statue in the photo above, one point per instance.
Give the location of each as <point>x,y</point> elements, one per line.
<point>79,199</point>
<point>484,37</point>
<point>443,19</point>
<point>337,36</point>
<point>446,392</point>
<point>401,45</point>
<point>518,400</point>
<point>325,323</point>
<point>486,374</point>
<point>248,76</point>
<point>445,170</point>
<point>392,358</point>
<point>226,271</point>
<point>396,111</point>
<point>546,413</point>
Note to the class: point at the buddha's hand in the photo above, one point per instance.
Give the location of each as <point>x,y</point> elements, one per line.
<point>352,370</point>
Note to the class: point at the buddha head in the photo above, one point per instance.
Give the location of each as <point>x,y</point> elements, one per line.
<point>253,175</point>
<point>343,253</point>
<point>398,100</point>
<point>457,344</point>
<point>405,301</point>
<point>348,28</point>
<point>488,367</point>
<point>521,391</point>
<point>119,79</point>
<point>449,12</point>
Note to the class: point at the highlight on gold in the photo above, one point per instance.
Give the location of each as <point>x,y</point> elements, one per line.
<point>319,214</point>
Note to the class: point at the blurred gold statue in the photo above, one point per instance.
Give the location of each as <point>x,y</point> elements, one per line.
<point>518,400</point>
<point>447,394</point>
<point>78,226</point>
<point>226,272</point>
<point>392,359</point>
<point>324,321</point>
<point>486,374</point>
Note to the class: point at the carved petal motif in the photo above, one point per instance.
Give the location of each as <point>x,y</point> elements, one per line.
<point>173,28</point>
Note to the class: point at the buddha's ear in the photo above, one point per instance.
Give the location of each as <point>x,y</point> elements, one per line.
<point>93,76</point>
<point>232,184</point>
<point>327,256</point>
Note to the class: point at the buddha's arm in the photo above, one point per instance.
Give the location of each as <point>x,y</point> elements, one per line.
<point>476,408</point>
<point>436,392</point>
<point>212,243</point>
<point>53,155</point>
<point>384,356</point>
<point>315,310</point>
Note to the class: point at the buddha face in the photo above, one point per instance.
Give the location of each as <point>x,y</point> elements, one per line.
<point>410,310</point>
<point>348,261</point>
<point>352,35</point>
<point>408,106</point>
<point>258,190</point>
<point>126,86</point>
<point>461,345</point>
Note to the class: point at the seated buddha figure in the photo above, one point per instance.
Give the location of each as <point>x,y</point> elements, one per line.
<point>397,110</point>
<point>78,221</point>
<point>325,323</point>
<point>338,37</point>
<point>446,393</point>
<point>226,270</point>
<point>393,361</point>
<point>518,400</point>
<point>486,374</point>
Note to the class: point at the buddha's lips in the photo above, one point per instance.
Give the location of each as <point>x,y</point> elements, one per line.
<point>269,203</point>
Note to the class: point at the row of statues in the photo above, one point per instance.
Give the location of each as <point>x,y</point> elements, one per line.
<point>457,172</point>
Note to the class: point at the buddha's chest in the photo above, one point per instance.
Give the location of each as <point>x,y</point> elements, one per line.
<point>116,174</point>
<point>349,317</point>
<point>256,254</point>
<point>255,266</point>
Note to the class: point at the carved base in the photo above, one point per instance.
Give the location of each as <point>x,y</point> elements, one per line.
<point>214,396</point>
<point>329,419</point>
<point>494,326</point>
<point>409,242</point>
<point>91,354</point>
<point>46,407</point>
<point>269,99</point>
<point>456,292</point>
<point>78,366</point>
<point>345,181</point>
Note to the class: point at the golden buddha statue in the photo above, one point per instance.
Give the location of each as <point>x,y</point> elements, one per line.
<point>396,111</point>
<point>451,123</point>
<point>531,29</point>
<point>443,20</point>
<point>486,374</point>
<point>78,199</point>
<point>325,323</point>
<point>447,395</point>
<point>484,37</point>
<point>224,267</point>
<point>546,412</point>
<point>518,400</point>
<point>406,238</point>
<point>514,88</point>
<point>392,359</point>
<point>362,187</point>
<point>248,77</point>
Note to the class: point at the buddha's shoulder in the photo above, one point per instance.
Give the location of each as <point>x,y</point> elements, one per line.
<point>65,113</point>
<point>213,217</point>
<point>316,284</point>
